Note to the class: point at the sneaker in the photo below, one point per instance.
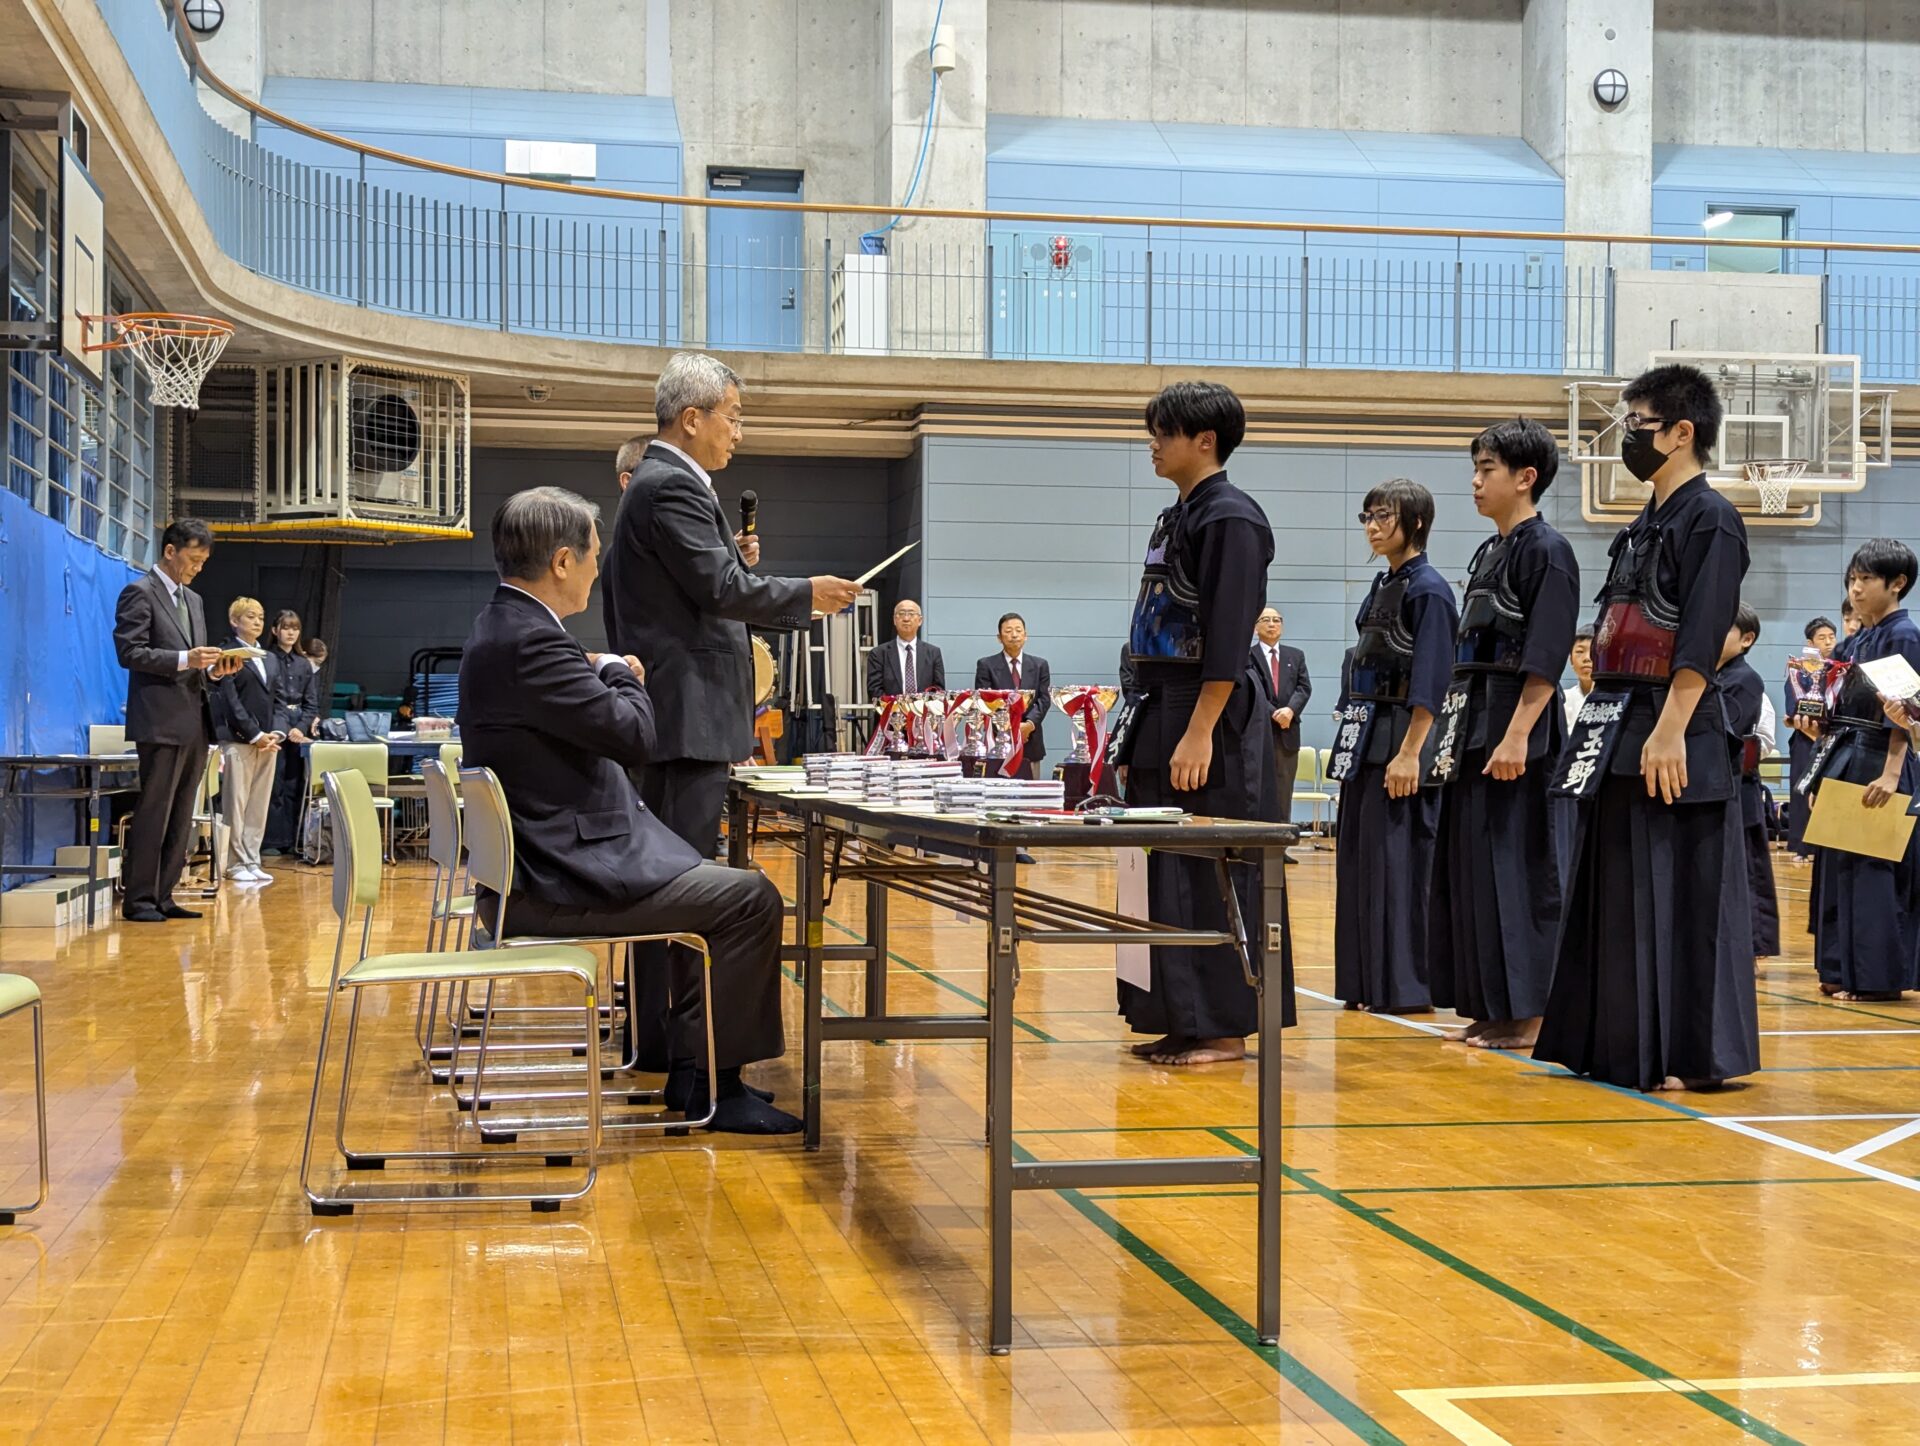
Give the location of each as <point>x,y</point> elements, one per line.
<point>259,876</point>
<point>240,874</point>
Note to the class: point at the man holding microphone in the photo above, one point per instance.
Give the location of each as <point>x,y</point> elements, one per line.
<point>678,595</point>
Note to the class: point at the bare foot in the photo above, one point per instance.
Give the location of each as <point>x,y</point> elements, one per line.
<point>1168,1044</point>
<point>1353,1004</point>
<point>1671,1082</point>
<point>1829,989</point>
<point>1881,996</point>
<point>1207,1051</point>
<point>1510,1034</point>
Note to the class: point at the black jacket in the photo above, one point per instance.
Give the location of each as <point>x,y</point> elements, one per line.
<point>883,668</point>
<point>561,737</point>
<point>296,690</point>
<point>165,703</point>
<point>1295,688</point>
<point>1035,677</point>
<point>676,596</point>
<point>242,703</point>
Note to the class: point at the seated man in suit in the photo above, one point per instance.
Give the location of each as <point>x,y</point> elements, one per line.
<point>160,636</point>
<point>561,727</point>
<point>904,664</point>
<point>1014,667</point>
<point>1284,689</point>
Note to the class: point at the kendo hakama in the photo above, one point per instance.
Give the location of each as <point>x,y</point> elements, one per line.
<point>1654,971</point>
<point>1203,586</point>
<point>1744,692</point>
<point>1799,755</point>
<point>1865,936</point>
<point>1496,897</point>
<point>1383,856</point>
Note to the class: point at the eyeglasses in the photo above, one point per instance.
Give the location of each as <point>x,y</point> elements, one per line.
<point>1379,517</point>
<point>733,419</point>
<point>1634,422</point>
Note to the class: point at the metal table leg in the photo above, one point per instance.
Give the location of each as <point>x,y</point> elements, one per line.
<point>1276,960</point>
<point>812,921</point>
<point>876,991</point>
<point>739,852</point>
<point>1000,974</point>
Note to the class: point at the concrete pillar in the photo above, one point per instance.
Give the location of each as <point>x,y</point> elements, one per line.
<point>237,52</point>
<point>938,269</point>
<point>1605,155</point>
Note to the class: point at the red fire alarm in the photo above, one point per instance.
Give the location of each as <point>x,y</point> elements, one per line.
<point>1062,252</point>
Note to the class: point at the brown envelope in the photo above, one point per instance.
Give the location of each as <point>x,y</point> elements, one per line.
<point>1842,820</point>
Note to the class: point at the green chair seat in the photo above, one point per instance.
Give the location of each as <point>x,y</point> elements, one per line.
<point>456,965</point>
<point>17,991</point>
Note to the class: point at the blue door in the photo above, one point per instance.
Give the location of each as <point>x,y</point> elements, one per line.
<point>754,263</point>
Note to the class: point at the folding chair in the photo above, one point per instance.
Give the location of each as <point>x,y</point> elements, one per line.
<point>17,992</point>
<point>356,890</point>
<point>369,760</point>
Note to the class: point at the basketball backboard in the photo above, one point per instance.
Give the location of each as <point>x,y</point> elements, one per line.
<point>1807,408</point>
<point>82,240</point>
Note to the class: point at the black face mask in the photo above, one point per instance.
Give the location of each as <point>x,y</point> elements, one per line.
<point>1643,459</point>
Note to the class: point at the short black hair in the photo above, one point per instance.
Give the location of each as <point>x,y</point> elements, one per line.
<point>1584,633</point>
<point>1746,620</point>
<point>1817,624</point>
<point>1888,559</point>
<point>1846,608</point>
<point>1520,443</point>
<point>1186,409</point>
<point>185,532</point>
<point>530,527</point>
<point>1006,618</point>
<point>1680,393</point>
<point>1412,504</point>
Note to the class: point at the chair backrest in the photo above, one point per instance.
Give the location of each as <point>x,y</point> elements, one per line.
<point>1309,774</point>
<point>108,738</point>
<point>209,783</point>
<point>356,842</point>
<point>450,756</point>
<point>489,836</point>
<point>367,759</point>
<point>443,816</point>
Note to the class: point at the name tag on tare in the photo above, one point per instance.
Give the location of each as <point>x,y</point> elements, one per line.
<point>1596,733</point>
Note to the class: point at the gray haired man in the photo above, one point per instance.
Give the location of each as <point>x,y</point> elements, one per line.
<point>678,594</point>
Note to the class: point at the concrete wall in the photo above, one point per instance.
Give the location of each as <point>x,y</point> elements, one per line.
<point>1800,74</point>
<point>816,515</point>
<point>583,45</point>
<point>1386,65</point>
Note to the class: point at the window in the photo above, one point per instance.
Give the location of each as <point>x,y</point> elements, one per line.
<point>1747,223</point>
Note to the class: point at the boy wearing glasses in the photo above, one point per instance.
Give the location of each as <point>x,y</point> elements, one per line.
<point>1653,987</point>
<point>1383,858</point>
<point>1496,911</point>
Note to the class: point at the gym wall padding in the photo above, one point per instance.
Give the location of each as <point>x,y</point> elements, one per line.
<point>57,667</point>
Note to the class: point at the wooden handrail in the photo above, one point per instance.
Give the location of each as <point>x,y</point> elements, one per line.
<point>199,69</point>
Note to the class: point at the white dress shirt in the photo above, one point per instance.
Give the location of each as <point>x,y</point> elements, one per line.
<point>1764,729</point>
<point>173,597</point>
<point>1271,663</point>
<point>1573,699</point>
<point>698,470</point>
<point>901,645</point>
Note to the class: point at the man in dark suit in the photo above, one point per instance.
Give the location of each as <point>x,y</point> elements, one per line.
<point>904,664</point>
<point>160,635</point>
<point>561,727</point>
<point>1285,687</point>
<point>678,595</point>
<point>1014,667</point>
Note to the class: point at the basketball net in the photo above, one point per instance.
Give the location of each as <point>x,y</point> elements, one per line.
<point>174,351</point>
<point>1773,481</point>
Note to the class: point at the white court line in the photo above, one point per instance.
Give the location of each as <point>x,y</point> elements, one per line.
<point>1880,1141</point>
<point>1797,1033</point>
<point>1420,1025</point>
<point>1805,1119</point>
<point>1826,1157</point>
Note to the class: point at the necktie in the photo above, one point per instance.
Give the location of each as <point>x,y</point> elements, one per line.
<point>180,612</point>
<point>907,680</point>
<point>1013,671</point>
<point>1273,657</point>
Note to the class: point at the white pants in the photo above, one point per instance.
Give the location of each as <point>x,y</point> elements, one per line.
<point>247,786</point>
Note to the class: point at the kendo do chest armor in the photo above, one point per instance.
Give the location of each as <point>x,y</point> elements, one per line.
<point>1383,655</point>
<point>1634,640</point>
<point>1166,614</point>
<point>1493,628</point>
<point>1858,702</point>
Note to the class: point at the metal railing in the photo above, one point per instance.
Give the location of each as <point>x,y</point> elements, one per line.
<point>473,247</point>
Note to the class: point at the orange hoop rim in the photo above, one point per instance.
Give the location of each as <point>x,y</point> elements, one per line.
<point>147,324</point>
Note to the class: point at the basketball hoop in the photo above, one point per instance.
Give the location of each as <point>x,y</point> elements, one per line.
<point>175,351</point>
<point>1773,481</point>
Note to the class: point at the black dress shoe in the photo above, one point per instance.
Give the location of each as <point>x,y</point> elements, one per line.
<point>172,910</point>
<point>143,916</point>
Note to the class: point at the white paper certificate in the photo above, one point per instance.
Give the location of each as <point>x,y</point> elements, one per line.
<point>1133,963</point>
<point>1893,677</point>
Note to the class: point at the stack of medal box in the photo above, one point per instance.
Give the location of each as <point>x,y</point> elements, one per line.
<point>907,782</point>
<point>837,772</point>
<point>974,795</point>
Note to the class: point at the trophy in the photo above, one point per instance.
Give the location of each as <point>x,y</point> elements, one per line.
<point>890,729</point>
<point>966,732</point>
<point>925,714</point>
<point>1006,711</point>
<point>1086,709</point>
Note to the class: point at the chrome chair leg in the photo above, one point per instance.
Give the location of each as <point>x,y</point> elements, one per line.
<point>9,1212</point>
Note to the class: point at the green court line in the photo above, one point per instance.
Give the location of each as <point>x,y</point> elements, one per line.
<point>1837,1068</point>
<point>1907,1019</point>
<point>1733,1415</point>
<point>1471,1189</point>
<point>1319,1391</point>
<point>1344,1125</point>
<point>831,1005</point>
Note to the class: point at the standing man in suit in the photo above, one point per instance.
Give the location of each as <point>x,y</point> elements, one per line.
<point>1014,667</point>
<point>1285,688</point>
<point>160,635</point>
<point>678,595</point>
<point>904,664</point>
<point>560,727</point>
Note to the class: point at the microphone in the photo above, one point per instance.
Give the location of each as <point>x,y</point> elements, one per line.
<point>749,510</point>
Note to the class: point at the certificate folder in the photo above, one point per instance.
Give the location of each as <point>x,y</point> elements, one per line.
<point>1842,820</point>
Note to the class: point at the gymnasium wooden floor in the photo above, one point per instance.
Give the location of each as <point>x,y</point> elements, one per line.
<point>1476,1248</point>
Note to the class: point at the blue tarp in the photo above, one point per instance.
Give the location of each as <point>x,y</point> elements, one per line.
<point>57,666</point>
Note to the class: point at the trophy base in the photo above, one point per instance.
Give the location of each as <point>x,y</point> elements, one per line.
<point>973,765</point>
<point>1078,778</point>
